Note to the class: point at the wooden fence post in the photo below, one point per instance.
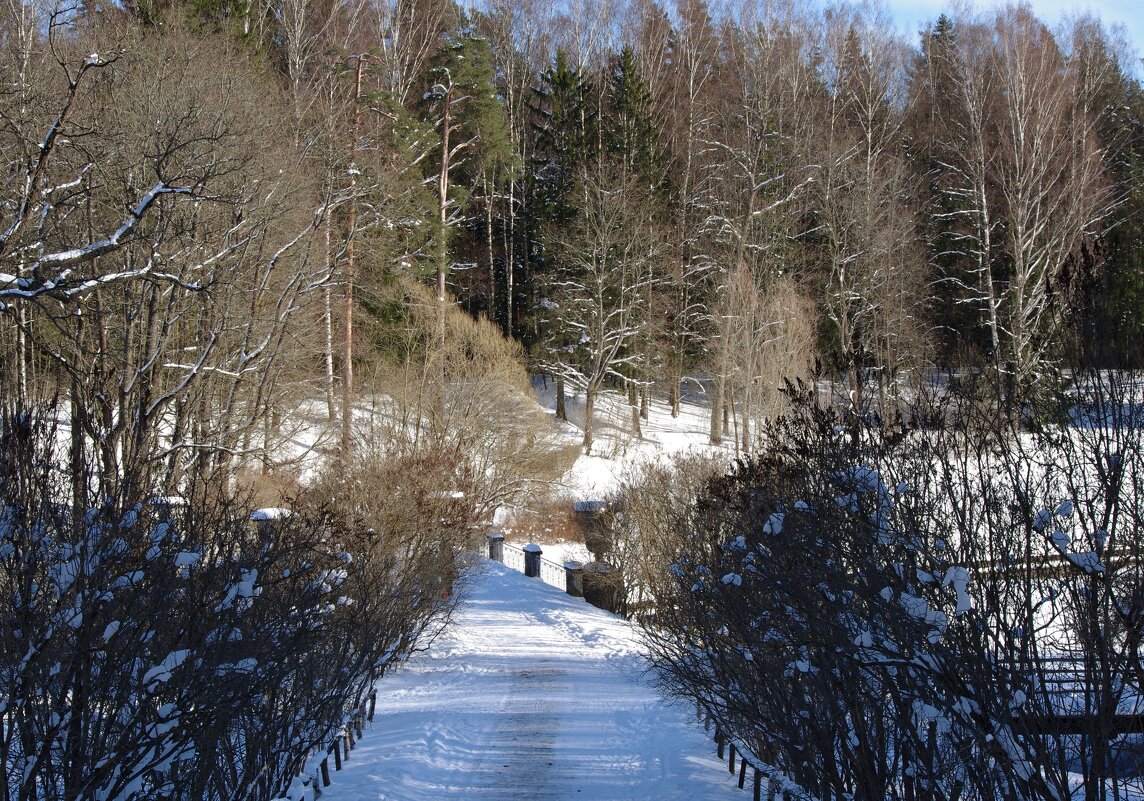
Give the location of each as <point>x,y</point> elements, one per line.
<point>337,749</point>
<point>757,795</point>
<point>372,704</point>
<point>719,740</point>
<point>731,761</point>
<point>742,772</point>
<point>325,768</point>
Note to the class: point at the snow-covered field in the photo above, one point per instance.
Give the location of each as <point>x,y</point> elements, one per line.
<point>531,695</point>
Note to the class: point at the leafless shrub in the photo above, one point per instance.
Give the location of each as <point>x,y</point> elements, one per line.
<point>950,610</point>
<point>552,521</point>
<point>464,395</point>
<point>171,647</point>
<point>647,513</point>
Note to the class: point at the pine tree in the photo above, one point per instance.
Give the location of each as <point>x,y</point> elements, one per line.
<point>473,156</point>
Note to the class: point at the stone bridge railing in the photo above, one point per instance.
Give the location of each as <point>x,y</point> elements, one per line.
<point>530,561</point>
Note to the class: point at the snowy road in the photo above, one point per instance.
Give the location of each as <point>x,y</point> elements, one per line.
<point>530,695</point>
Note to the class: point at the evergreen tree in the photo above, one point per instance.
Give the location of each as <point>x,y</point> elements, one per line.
<point>564,125</point>
<point>631,141</point>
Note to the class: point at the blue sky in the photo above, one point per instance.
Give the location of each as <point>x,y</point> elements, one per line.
<point>912,15</point>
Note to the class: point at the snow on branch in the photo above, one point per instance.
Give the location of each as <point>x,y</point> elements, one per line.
<point>63,283</point>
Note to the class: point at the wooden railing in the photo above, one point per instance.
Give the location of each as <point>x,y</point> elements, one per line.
<point>777,786</point>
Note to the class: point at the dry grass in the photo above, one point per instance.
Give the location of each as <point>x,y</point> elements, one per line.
<point>552,522</point>
<point>267,489</point>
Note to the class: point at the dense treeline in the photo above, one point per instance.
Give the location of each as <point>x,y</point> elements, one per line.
<point>639,192</point>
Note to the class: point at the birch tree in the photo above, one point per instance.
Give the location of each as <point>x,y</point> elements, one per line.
<point>1050,179</point>
<point>872,264</point>
<point>1024,177</point>
<point>694,77</point>
<point>760,174</point>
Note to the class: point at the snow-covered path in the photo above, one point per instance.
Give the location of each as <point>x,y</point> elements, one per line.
<point>530,695</point>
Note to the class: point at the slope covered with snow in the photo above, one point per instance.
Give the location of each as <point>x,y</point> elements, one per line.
<point>616,447</point>
<point>532,695</point>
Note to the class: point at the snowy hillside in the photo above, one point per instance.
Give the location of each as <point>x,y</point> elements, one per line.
<point>615,448</point>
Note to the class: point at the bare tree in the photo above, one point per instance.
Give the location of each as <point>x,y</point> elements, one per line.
<point>409,33</point>
<point>758,178</point>
<point>601,291</point>
<point>1024,175</point>
<point>874,267</point>
<point>690,109</point>
<point>1050,180</point>
<point>167,273</point>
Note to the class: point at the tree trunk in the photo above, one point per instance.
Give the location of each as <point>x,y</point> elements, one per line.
<point>348,309</point>
<point>328,324</point>
<point>746,434</point>
<point>854,379</point>
<point>509,258</point>
<point>634,406</point>
<point>489,252</point>
<point>561,409</point>
<point>589,406</point>
<point>442,253</point>
<point>21,359</point>
<point>717,409</point>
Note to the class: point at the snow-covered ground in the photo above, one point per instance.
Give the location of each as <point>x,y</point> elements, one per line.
<point>615,447</point>
<point>615,453</point>
<point>531,695</point>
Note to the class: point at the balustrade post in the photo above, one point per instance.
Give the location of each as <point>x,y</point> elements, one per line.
<point>496,546</point>
<point>574,579</point>
<point>532,554</point>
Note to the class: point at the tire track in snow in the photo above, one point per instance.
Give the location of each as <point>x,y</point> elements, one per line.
<point>529,696</point>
